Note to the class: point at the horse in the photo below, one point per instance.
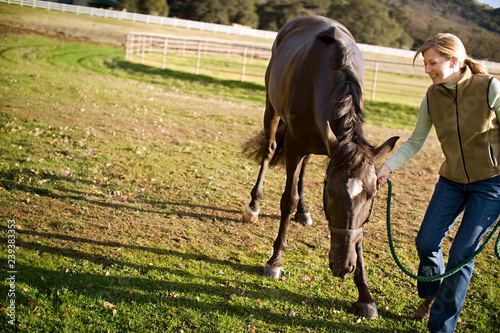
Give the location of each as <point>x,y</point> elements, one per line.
<point>314,105</point>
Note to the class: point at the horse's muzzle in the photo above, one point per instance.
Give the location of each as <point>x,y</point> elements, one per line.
<point>342,259</point>
<point>342,271</point>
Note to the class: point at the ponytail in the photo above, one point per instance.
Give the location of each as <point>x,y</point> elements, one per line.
<point>475,67</point>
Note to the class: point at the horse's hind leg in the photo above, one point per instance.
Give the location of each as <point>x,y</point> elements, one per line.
<point>302,214</point>
<point>271,122</point>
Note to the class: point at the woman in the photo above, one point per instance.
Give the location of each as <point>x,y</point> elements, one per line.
<point>463,104</point>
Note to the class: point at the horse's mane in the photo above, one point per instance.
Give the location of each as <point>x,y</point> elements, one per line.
<point>348,116</point>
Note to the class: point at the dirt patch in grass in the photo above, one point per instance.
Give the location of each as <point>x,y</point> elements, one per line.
<point>51,32</point>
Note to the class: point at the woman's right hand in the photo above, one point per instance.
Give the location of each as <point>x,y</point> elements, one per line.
<point>382,174</point>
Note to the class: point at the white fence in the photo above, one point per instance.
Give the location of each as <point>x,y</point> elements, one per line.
<point>144,45</point>
<point>135,17</point>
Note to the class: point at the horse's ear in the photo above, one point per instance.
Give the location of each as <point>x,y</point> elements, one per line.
<point>385,148</point>
<point>331,139</point>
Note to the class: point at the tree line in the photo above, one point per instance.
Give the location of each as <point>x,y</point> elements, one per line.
<point>376,22</point>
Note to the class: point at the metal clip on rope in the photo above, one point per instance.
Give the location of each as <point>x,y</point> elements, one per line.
<point>450,272</point>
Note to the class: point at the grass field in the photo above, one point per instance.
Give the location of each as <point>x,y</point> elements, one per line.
<point>125,186</point>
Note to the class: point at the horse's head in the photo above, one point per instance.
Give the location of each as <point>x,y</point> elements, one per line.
<point>348,200</point>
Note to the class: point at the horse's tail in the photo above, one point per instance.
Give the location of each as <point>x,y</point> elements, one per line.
<point>256,147</point>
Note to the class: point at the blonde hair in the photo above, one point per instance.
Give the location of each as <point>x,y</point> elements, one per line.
<point>449,46</point>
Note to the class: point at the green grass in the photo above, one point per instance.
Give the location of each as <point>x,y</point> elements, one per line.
<point>126,183</point>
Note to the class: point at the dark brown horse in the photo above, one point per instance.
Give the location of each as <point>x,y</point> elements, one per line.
<point>315,106</point>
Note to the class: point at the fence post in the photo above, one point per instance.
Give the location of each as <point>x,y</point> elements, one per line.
<point>127,48</point>
<point>165,50</point>
<point>244,64</point>
<point>130,47</point>
<point>198,59</point>
<point>143,41</point>
<point>374,80</point>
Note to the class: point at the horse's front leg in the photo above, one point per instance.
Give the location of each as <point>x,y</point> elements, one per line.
<point>365,305</point>
<point>288,204</point>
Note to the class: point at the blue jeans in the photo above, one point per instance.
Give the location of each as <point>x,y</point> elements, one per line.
<point>480,203</point>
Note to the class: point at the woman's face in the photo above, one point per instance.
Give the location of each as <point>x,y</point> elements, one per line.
<point>440,69</point>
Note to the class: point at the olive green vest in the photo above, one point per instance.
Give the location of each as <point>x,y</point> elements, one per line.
<point>467,129</point>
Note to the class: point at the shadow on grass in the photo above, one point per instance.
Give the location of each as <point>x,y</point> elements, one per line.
<point>149,289</point>
<point>60,287</point>
<point>166,299</point>
<point>151,72</point>
<point>7,181</point>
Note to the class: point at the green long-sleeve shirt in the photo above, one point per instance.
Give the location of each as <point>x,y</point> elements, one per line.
<point>424,125</point>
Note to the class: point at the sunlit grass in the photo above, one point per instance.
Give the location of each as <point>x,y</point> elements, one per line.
<point>127,183</point>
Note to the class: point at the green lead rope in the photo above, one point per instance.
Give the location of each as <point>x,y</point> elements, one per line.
<point>451,272</point>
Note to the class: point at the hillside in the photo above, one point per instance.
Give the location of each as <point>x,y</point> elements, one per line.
<point>430,17</point>
<point>408,23</point>
<point>394,23</point>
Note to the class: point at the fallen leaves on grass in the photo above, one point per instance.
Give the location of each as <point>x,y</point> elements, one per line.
<point>308,300</point>
<point>108,305</point>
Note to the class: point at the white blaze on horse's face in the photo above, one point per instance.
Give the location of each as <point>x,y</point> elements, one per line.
<point>354,187</point>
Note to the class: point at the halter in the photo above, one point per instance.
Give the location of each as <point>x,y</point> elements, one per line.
<point>352,232</point>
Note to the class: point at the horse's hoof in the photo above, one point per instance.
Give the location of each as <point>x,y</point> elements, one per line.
<point>367,310</point>
<point>271,271</point>
<point>250,216</point>
<point>304,218</point>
